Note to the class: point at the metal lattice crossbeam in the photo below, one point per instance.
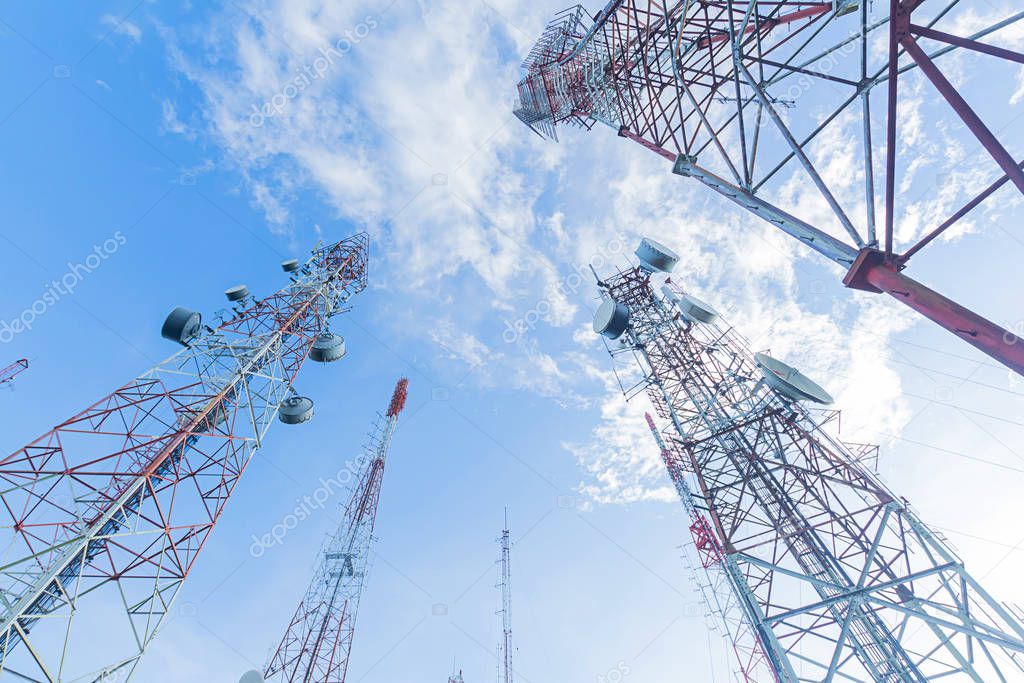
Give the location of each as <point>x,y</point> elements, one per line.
<point>753,98</point>
<point>107,512</point>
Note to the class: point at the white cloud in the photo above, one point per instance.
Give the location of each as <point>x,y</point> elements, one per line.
<point>1018,96</point>
<point>122,27</point>
<point>460,344</point>
<point>170,121</point>
<point>405,126</point>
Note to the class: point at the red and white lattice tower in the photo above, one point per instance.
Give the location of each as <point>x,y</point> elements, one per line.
<point>820,572</point>
<point>318,642</point>
<point>13,370</point>
<point>106,514</point>
<point>774,104</point>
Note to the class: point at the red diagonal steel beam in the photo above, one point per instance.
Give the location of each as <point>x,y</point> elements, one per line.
<point>955,99</point>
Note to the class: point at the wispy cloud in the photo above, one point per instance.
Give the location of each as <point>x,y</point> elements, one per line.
<point>399,117</point>
<point>122,27</point>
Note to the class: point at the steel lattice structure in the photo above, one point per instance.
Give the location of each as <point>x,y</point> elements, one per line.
<point>318,641</point>
<point>755,99</point>
<point>505,584</point>
<point>824,573</point>
<point>725,611</point>
<point>105,515</point>
<point>13,370</point>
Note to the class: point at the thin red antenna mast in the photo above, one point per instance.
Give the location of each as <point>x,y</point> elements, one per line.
<point>13,370</point>
<point>317,644</point>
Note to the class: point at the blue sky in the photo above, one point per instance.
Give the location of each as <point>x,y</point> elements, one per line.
<point>139,119</point>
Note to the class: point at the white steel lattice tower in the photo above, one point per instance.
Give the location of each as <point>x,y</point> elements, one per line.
<point>318,642</point>
<point>505,583</point>
<point>821,572</point>
<point>102,518</point>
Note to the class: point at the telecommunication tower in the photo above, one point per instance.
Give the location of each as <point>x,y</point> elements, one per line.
<point>823,572</point>
<point>107,512</point>
<point>318,641</point>
<point>13,370</point>
<point>505,584</point>
<point>756,98</point>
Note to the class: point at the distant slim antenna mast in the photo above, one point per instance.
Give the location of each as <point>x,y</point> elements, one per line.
<point>505,646</point>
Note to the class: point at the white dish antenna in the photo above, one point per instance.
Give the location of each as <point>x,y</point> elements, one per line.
<point>611,319</point>
<point>789,381</point>
<point>695,310</point>
<point>295,410</point>
<point>656,257</point>
<point>327,348</point>
<point>252,677</point>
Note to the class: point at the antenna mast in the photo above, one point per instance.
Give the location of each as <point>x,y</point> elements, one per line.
<point>103,517</point>
<point>832,575</point>
<point>505,646</point>
<point>13,370</point>
<point>318,642</point>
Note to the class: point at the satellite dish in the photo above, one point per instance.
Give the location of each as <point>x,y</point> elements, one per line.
<point>655,257</point>
<point>181,326</point>
<point>695,310</point>
<point>327,348</point>
<point>237,293</point>
<point>290,266</point>
<point>252,677</point>
<point>295,410</point>
<point>611,319</point>
<point>789,381</point>
<point>844,7</point>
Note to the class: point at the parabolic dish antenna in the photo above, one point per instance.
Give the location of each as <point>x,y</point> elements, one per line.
<point>289,266</point>
<point>655,257</point>
<point>295,410</point>
<point>327,348</point>
<point>237,293</point>
<point>611,319</point>
<point>695,310</point>
<point>789,381</point>
<point>181,325</point>
<point>252,677</point>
